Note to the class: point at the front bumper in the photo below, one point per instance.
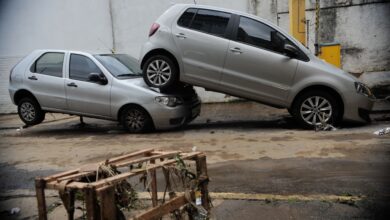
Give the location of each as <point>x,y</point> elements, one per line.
<point>357,107</point>
<point>167,117</point>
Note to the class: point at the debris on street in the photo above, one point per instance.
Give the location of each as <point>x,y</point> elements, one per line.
<point>383,131</point>
<point>107,192</point>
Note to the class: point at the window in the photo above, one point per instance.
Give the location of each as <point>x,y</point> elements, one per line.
<point>81,66</point>
<point>186,18</point>
<point>260,35</point>
<point>212,22</point>
<point>50,64</point>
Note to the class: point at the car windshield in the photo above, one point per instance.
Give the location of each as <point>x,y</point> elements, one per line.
<point>120,65</point>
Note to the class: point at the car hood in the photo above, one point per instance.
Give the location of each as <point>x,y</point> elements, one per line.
<point>140,84</point>
<point>334,70</point>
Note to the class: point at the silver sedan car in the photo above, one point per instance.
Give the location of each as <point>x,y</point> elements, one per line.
<point>104,86</point>
<point>243,55</point>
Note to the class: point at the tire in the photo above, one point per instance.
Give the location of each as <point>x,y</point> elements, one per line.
<point>160,72</point>
<point>316,107</point>
<point>136,120</point>
<point>30,111</point>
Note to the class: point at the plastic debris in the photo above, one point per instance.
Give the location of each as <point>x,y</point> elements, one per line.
<point>194,149</point>
<point>15,210</point>
<point>325,127</point>
<point>382,131</point>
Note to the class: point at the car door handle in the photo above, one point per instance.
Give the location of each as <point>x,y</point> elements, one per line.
<point>32,78</point>
<point>236,50</point>
<point>72,84</point>
<point>181,35</point>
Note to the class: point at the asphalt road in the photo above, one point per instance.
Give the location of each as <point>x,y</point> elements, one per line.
<point>250,149</point>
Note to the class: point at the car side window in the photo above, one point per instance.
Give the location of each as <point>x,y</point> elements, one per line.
<point>186,18</point>
<point>50,64</point>
<point>81,66</point>
<point>260,35</point>
<point>211,22</point>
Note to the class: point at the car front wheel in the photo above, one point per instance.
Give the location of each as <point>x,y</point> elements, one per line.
<point>136,120</point>
<point>160,72</point>
<point>316,108</point>
<point>30,112</point>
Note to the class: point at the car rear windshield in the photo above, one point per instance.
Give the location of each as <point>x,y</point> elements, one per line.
<point>120,65</point>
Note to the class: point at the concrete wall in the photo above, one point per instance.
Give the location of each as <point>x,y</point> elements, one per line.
<point>362,27</point>
<point>28,25</point>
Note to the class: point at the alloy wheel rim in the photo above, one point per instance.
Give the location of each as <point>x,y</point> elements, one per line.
<point>27,111</point>
<point>316,110</point>
<point>159,72</point>
<point>135,119</point>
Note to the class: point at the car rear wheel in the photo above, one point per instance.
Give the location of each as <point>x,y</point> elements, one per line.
<point>160,72</point>
<point>136,120</point>
<point>30,112</point>
<point>316,108</point>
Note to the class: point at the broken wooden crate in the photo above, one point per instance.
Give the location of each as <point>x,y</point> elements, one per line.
<point>99,195</point>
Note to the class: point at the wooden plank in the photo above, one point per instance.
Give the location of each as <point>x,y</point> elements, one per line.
<point>62,174</point>
<point>107,203</point>
<point>113,179</point>
<point>144,159</point>
<point>72,185</point>
<point>41,201</point>
<point>153,185</point>
<point>126,156</point>
<point>68,198</point>
<point>156,152</point>
<point>161,210</point>
<point>74,176</point>
<point>201,168</point>
<point>91,203</point>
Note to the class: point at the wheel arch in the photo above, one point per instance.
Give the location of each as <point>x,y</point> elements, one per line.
<point>23,93</point>
<point>328,89</point>
<point>160,52</point>
<point>133,105</point>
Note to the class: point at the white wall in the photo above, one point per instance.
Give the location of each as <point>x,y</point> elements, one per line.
<point>28,25</point>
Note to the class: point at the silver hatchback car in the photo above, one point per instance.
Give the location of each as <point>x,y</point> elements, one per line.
<point>105,86</point>
<point>243,55</point>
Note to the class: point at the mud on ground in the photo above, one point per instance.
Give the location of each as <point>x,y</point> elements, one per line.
<point>250,149</point>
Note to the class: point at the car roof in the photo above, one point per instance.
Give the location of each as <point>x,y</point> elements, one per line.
<point>78,52</point>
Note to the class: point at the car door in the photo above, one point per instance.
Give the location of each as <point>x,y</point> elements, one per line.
<point>200,36</point>
<point>255,66</point>
<point>83,95</point>
<point>45,80</point>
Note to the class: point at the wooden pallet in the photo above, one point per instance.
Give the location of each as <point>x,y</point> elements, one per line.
<point>100,195</point>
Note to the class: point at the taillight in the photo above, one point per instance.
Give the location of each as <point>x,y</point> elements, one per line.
<point>10,74</point>
<point>153,29</point>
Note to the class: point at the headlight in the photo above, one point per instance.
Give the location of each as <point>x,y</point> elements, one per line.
<point>363,89</point>
<point>170,101</point>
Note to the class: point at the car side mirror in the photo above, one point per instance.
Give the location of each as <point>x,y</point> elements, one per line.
<point>290,50</point>
<point>98,78</point>
<point>277,40</point>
